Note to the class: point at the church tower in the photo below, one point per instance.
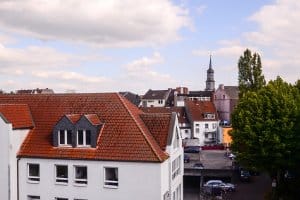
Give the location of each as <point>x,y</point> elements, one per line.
<point>210,81</point>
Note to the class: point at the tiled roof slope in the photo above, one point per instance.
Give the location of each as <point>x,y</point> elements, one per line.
<point>123,136</point>
<point>18,115</point>
<point>182,118</point>
<point>197,109</point>
<point>159,126</point>
<point>157,94</point>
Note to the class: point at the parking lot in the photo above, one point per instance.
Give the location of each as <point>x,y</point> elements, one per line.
<point>211,159</point>
<point>215,159</point>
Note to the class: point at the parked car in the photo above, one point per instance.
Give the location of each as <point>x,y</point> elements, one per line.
<point>198,166</point>
<point>186,158</point>
<point>191,149</point>
<point>220,184</point>
<point>245,175</point>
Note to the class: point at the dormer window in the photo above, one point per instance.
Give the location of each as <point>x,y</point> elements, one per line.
<point>83,138</point>
<point>65,137</point>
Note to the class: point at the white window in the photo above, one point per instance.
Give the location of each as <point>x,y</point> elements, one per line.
<point>80,175</point>
<point>197,130</point>
<point>61,172</point>
<point>65,137</point>
<point>206,125</point>
<point>33,197</point>
<point>214,125</point>
<point>83,138</point>
<point>33,172</point>
<point>111,177</point>
<point>176,165</point>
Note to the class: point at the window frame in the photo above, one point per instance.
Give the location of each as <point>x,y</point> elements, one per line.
<point>80,181</point>
<point>110,183</point>
<point>84,139</point>
<point>65,137</point>
<point>61,180</point>
<point>33,197</point>
<point>33,179</point>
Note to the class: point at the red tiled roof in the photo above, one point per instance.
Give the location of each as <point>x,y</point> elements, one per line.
<point>158,125</point>
<point>74,117</point>
<point>123,136</point>
<point>18,115</point>
<point>181,114</point>
<point>93,118</point>
<point>197,109</point>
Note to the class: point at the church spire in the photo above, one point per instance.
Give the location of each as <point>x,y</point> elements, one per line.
<point>210,81</point>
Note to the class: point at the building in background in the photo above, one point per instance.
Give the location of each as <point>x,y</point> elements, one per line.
<point>226,98</point>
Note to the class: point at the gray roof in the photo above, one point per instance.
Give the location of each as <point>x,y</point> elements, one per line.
<point>232,91</point>
<point>157,94</point>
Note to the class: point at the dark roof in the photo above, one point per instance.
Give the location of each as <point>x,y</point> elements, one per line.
<point>197,94</point>
<point>232,91</point>
<point>124,136</point>
<point>157,94</point>
<point>18,115</point>
<point>197,109</point>
<point>133,98</point>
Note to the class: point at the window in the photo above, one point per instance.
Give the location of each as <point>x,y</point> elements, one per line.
<point>65,137</point>
<point>206,135</point>
<point>206,125</point>
<point>33,172</point>
<point>214,125</point>
<point>160,101</point>
<point>83,137</point>
<point>186,131</point>
<point>176,167</point>
<point>33,197</point>
<point>111,177</point>
<point>61,173</point>
<point>197,130</point>
<point>80,175</point>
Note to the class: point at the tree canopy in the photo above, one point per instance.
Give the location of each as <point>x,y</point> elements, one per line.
<point>250,72</point>
<point>266,124</point>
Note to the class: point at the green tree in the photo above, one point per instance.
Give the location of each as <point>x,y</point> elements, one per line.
<point>265,128</point>
<point>250,72</point>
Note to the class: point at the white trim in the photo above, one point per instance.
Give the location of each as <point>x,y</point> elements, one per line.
<point>77,181</point>
<point>60,180</point>
<point>84,138</point>
<point>33,179</point>
<point>110,181</point>
<point>66,138</point>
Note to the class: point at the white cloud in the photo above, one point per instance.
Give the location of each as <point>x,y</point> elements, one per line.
<point>124,23</point>
<point>142,71</point>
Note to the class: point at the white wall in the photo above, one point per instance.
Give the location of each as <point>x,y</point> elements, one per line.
<point>153,103</point>
<point>203,130</point>
<point>136,180</point>
<point>16,139</point>
<point>4,164</point>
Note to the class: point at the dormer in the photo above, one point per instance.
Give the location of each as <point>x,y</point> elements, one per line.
<point>209,116</point>
<point>77,131</point>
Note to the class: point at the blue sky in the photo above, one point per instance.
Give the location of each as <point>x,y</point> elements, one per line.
<point>129,45</point>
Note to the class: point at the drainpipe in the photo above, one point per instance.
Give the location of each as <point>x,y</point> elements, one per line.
<point>18,178</point>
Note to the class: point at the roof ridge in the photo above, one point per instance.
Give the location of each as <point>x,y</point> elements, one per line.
<point>140,128</point>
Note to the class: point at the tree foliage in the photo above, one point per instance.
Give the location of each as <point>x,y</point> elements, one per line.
<point>250,72</point>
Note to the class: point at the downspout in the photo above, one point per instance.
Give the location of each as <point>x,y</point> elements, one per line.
<point>18,178</point>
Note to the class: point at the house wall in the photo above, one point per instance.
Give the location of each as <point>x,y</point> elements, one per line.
<point>223,104</point>
<point>16,139</point>
<point>203,130</point>
<point>153,103</point>
<point>4,154</point>
<point>136,180</point>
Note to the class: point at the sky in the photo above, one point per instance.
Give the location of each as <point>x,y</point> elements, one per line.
<point>129,45</point>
